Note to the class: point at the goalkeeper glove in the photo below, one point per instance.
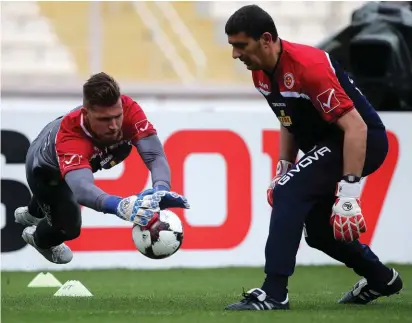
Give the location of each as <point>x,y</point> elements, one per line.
<point>138,209</point>
<point>167,199</point>
<point>171,200</point>
<point>347,219</point>
<point>282,168</point>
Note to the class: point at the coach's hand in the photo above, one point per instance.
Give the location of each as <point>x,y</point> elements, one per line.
<point>347,218</point>
<point>138,209</point>
<point>282,168</point>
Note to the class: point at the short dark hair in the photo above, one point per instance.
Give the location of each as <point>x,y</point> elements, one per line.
<point>100,89</point>
<point>253,21</point>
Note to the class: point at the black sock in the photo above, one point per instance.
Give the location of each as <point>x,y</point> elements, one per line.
<point>34,209</point>
<point>276,286</point>
<point>46,236</point>
<point>379,277</point>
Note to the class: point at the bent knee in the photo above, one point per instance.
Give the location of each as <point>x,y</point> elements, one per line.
<point>71,224</point>
<point>314,239</point>
<point>72,232</point>
<point>313,242</point>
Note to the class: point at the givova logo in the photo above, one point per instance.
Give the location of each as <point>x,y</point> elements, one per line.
<point>303,163</point>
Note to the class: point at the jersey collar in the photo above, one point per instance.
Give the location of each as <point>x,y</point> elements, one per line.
<point>84,127</point>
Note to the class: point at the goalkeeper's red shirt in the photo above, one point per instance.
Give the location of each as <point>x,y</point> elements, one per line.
<point>65,144</point>
<point>308,91</point>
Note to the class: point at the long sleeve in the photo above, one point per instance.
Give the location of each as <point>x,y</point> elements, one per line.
<point>81,182</point>
<point>151,150</point>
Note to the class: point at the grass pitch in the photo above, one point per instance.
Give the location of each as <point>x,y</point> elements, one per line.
<point>199,295</point>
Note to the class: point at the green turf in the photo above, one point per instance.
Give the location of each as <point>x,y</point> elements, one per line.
<point>182,295</point>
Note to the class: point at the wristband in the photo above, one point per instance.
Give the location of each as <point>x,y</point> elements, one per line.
<point>161,188</point>
<point>110,204</point>
<point>350,178</point>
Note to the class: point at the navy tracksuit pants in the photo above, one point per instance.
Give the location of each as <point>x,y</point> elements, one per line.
<point>303,199</point>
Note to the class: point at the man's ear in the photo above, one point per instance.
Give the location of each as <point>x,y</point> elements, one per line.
<point>84,111</point>
<point>266,38</point>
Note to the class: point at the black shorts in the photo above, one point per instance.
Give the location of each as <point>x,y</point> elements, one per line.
<point>54,197</point>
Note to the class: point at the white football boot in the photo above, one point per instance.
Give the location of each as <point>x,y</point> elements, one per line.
<point>22,216</point>
<point>60,254</point>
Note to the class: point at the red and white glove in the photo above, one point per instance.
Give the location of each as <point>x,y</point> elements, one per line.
<point>347,218</point>
<point>282,168</point>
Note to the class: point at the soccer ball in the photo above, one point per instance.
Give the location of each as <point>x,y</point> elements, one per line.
<point>162,238</point>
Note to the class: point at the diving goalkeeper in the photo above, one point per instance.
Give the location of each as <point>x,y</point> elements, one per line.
<point>61,161</point>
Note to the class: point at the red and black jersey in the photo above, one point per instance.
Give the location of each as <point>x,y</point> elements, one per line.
<point>65,144</point>
<point>308,91</point>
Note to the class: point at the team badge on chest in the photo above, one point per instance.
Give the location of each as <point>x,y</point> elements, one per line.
<point>289,80</point>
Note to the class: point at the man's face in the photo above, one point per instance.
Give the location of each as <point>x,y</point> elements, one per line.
<point>248,50</point>
<point>105,122</point>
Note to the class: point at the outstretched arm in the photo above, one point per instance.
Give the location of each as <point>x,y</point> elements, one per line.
<point>81,182</point>
<point>151,150</point>
<point>138,209</point>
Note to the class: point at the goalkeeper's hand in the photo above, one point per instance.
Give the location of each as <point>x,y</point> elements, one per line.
<point>282,168</point>
<point>170,199</point>
<point>347,219</point>
<point>138,209</point>
<point>166,198</point>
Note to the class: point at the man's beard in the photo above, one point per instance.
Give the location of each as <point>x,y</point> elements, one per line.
<point>108,142</point>
<point>101,141</point>
<point>104,142</point>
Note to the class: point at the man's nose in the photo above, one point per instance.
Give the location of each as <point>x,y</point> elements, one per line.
<point>235,53</point>
<point>112,124</point>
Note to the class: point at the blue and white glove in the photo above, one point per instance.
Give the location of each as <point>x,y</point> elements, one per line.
<point>169,199</point>
<point>138,209</point>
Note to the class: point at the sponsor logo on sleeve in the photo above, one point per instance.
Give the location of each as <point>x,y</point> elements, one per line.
<point>142,126</point>
<point>70,160</point>
<point>328,100</point>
